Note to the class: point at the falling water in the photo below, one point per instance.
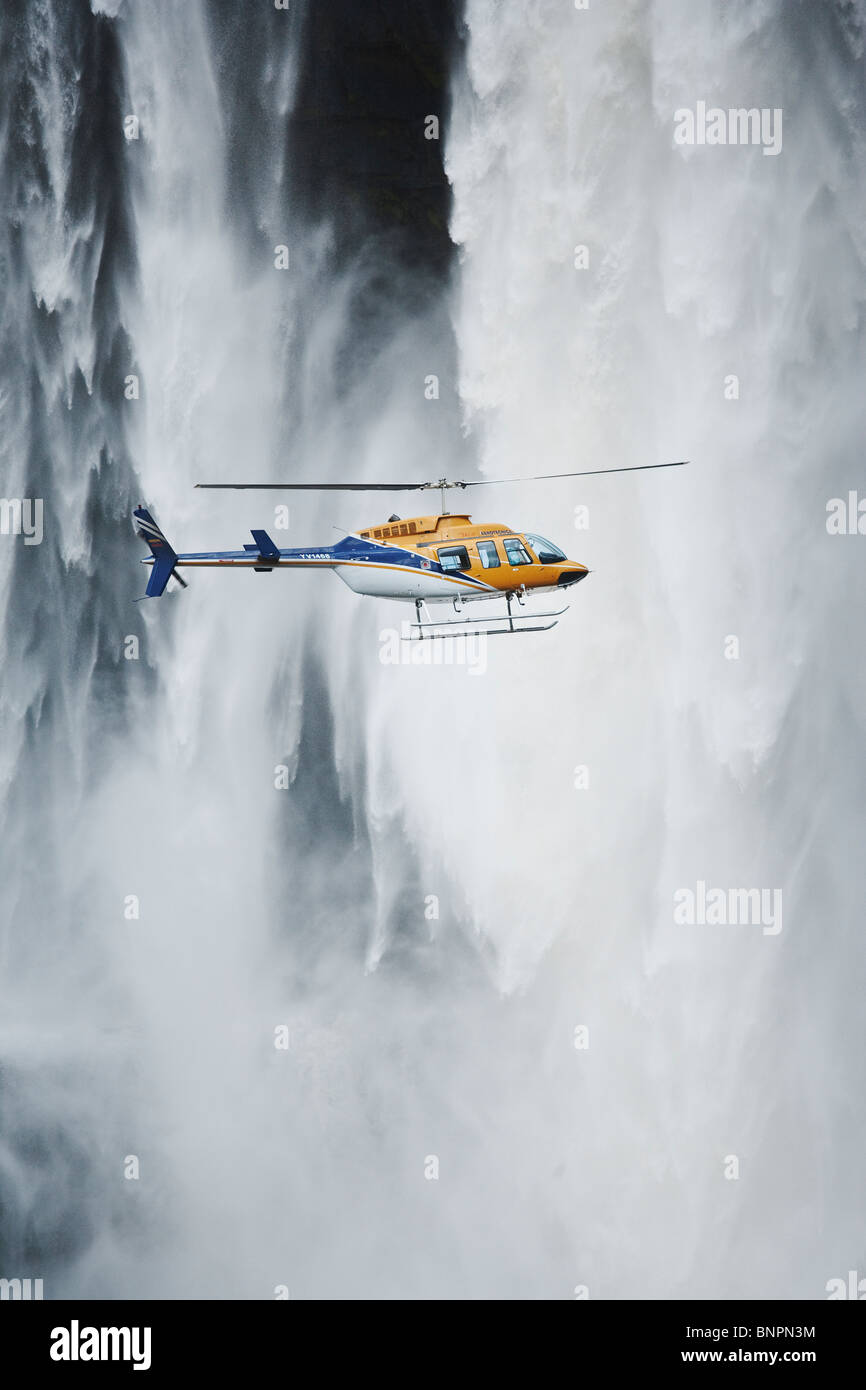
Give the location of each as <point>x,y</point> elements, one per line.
<point>436,901</point>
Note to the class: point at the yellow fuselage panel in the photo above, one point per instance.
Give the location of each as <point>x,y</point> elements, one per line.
<point>426,534</point>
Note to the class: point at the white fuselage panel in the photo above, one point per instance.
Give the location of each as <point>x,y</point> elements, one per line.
<point>392,581</point>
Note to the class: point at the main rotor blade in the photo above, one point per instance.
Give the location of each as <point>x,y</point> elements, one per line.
<point>432,486</point>
<point>585,473</point>
<point>326,487</point>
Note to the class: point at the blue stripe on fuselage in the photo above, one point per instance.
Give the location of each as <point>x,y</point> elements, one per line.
<point>352,549</point>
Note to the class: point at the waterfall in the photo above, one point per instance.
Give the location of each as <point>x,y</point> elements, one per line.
<point>363,979</point>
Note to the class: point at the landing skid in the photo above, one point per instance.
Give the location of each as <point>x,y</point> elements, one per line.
<point>428,629</point>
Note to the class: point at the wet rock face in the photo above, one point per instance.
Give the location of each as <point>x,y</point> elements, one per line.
<point>362,149</point>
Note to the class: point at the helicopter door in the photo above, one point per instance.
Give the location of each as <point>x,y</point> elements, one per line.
<point>489,555</point>
<point>516,552</point>
<point>454,558</point>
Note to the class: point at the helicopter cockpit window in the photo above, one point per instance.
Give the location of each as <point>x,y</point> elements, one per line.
<point>455,558</point>
<point>489,555</point>
<point>517,552</point>
<point>547,552</point>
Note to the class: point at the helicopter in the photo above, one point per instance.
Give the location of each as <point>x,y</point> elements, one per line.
<point>435,559</point>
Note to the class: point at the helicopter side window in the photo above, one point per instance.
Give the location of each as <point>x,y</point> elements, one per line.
<point>517,552</point>
<point>489,555</point>
<point>454,558</point>
<point>547,552</point>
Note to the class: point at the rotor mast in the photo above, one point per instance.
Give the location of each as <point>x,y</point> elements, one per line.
<point>442,486</point>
